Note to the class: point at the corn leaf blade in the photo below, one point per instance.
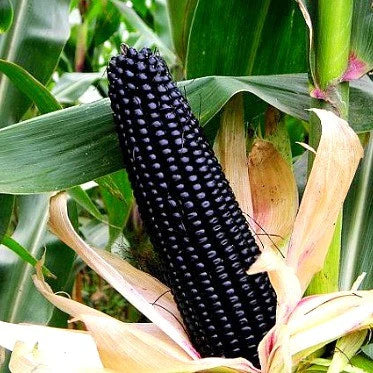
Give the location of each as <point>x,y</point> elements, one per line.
<point>357,234</point>
<point>26,45</point>
<point>75,145</point>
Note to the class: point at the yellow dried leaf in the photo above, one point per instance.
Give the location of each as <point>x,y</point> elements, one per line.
<point>335,164</point>
<point>274,194</point>
<point>136,347</point>
<point>318,320</point>
<point>230,148</point>
<point>42,346</point>
<point>283,280</point>
<point>144,348</point>
<point>146,293</point>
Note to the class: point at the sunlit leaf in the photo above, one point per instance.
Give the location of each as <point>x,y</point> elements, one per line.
<point>32,88</point>
<point>71,86</point>
<point>136,22</point>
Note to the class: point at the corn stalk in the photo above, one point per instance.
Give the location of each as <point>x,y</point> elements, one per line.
<point>332,32</point>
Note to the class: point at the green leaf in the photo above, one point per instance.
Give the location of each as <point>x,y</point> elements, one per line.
<point>134,20</point>
<point>82,198</point>
<point>108,182</point>
<point>6,15</point>
<point>107,22</point>
<point>266,37</point>
<point>60,149</point>
<point>212,50</point>
<point>34,42</point>
<point>71,86</point>
<point>368,350</point>
<point>21,302</point>
<point>363,363</point>
<point>283,41</point>
<point>357,234</point>
<point>181,15</point>
<point>118,209</point>
<point>18,249</point>
<point>161,21</point>
<point>31,87</point>
<point>69,147</point>
<point>6,210</point>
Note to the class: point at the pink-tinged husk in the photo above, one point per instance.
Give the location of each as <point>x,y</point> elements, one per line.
<point>274,194</point>
<point>230,149</point>
<point>335,164</point>
<point>315,321</point>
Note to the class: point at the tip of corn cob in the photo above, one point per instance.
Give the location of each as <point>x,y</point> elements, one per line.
<point>189,210</point>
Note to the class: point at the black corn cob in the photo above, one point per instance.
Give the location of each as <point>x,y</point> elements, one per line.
<point>189,210</point>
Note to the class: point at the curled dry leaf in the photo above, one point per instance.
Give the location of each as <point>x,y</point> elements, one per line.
<point>143,291</point>
<point>31,359</point>
<point>316,321</point>
<point>147,349</point>
<point>139,348</point>
<point>230,148</point>
<point>274,194</point>
<point>335,164</point>
<point>144,347</point>
<point>283,280</point>
<point>40,346</point>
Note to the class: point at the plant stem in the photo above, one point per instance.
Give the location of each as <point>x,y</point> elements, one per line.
<point>332,33</point>
<point>332,44</point>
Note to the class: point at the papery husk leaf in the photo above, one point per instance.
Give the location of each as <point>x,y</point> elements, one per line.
<point>135,347</point>
<point>288,291</point>
<point>349,368</point>
<point>316,321</point>
<point>345,349</point>
<point>28,358</point>
<point>230,148</point>
<point>143,291</point>
<point>144,348</point>
<point>330,319</point>
<point>336,161</point>
<point>283,280</point>
<point>35,345</point>
<point>274,194</point>
<point>358,282</point>
<point>279,359</point>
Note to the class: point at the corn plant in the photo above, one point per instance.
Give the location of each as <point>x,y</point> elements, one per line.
<point>239,137</point>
